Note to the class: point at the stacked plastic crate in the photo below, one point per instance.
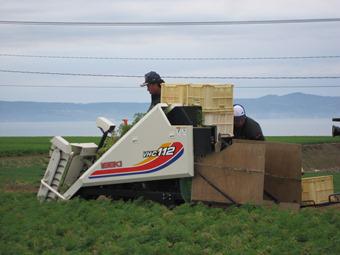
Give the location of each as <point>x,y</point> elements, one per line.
<point>317,189</point>
<point>216,102</point>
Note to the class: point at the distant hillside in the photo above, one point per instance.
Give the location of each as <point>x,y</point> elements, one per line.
<point>295,105</point>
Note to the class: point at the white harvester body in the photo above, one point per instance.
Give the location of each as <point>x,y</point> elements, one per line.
<point>151,150</point>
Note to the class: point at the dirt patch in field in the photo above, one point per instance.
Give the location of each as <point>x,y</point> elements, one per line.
<point>20,187</point>
<point>322,157</point>
<point>24,161</point>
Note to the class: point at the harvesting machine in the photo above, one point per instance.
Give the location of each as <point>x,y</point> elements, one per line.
<point>181,150</point>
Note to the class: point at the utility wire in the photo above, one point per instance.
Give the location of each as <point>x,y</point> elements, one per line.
<point>174,77</point>
<point>138,87</point>
<point>73,74</point>
<point>167,23</point>
<point>169,58</point>
<point>73,86</point>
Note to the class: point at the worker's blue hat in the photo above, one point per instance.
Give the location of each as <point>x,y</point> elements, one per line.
<point>152,78</point>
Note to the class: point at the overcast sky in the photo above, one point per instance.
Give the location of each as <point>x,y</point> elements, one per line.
<point>309,39</point>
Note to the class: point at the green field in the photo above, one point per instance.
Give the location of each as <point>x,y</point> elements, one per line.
<point>304,139</point>
<point>143,227</point>
<point>10,146</point>
<point>104,227</point>
<point>40,145</point>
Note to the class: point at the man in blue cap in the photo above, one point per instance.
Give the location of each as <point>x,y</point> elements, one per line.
<point>153,82</point>
<point>245,127</point>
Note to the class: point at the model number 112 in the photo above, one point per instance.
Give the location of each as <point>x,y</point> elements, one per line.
<point>165,151</point>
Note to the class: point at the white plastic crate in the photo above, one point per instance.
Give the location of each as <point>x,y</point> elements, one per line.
<point>223,120</point>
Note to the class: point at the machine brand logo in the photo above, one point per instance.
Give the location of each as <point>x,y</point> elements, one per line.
<point>154,161</point>
<point>112,164</point>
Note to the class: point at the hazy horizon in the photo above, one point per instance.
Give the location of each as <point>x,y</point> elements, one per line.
<point>103,102</point>
<point>270,127</point>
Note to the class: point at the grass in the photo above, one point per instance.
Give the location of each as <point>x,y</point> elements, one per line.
<point>304,139</point>
<point>22,170</point>
<point>144,227</point>
<point>11,146</point>
<point>141,227</point>
<point>14,146</point>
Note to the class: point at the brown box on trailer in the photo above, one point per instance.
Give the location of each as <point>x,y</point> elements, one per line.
<point>249,172</point>
<point>282,181</point>
<point>283,172</point>
<point>235,174</point>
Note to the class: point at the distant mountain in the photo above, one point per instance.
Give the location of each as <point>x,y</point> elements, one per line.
<point>296,105</point>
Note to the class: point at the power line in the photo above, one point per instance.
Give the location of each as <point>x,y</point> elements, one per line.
<point>170,58</point>
<point>137,87</point>
<point>167,23</point>
<point>73,74</point>
<point>73,86</point>
<point>174,77</point>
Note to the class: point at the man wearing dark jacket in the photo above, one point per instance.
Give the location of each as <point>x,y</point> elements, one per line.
<point>153,82</point>
<point>245,127</point>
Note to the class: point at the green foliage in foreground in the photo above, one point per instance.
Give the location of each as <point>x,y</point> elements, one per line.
<point>140,227</point>
<point>122,130</point>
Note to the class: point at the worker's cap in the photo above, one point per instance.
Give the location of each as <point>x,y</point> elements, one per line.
<point>239,111</point>
<point>152,78</point>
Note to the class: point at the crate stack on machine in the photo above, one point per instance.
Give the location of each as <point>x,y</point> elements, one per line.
<point>216,102</point>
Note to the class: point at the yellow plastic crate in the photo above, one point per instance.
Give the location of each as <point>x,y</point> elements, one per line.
<point>209,97</point>
<point>317,189</point>
<point>216,102</point>
<point>172,94</point>
<point>223,120</point>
